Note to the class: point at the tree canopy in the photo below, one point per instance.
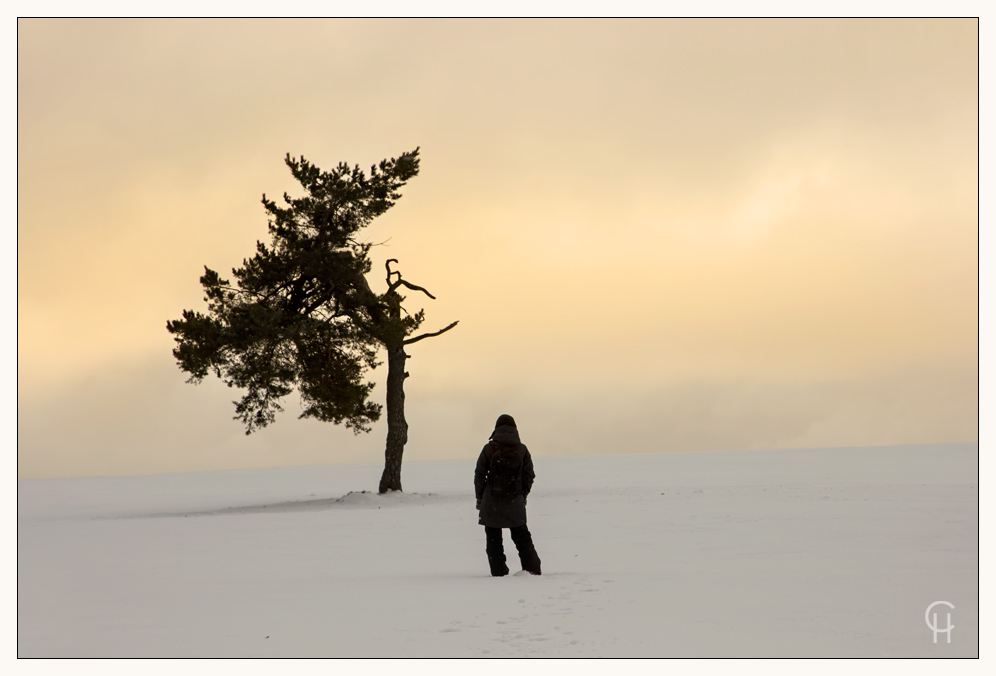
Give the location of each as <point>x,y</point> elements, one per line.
<point>301,314</point>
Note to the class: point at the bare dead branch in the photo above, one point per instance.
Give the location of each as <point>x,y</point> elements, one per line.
<point>413,287</point>
<point>409,341</point>
<point>387,264</point>
<point>393,286</point>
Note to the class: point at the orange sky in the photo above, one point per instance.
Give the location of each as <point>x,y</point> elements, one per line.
<point>658,235</point>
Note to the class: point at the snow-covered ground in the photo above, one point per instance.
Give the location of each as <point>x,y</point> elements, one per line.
<point>827,552</point>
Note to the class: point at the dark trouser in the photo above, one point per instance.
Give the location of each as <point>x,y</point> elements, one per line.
<point>523,542</point>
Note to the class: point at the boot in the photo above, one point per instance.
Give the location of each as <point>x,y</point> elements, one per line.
<point>527,552</point>
<point>497,563</point>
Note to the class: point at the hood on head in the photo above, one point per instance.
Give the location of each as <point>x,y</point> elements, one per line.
<point>505,430</point>
<point>506,434</point>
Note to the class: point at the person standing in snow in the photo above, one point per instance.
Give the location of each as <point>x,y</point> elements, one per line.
<point>502,480</point>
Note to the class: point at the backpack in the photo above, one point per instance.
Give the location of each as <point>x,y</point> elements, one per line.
<point>506,471</point>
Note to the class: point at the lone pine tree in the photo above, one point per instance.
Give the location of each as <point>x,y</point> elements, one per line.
<point>302,314</point>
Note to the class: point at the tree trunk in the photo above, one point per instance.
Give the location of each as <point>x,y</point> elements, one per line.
<point>397,427</point>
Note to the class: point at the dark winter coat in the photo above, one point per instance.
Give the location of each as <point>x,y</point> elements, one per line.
<point>503,511</point>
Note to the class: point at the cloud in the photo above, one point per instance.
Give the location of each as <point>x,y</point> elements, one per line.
<point>770,203</point>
